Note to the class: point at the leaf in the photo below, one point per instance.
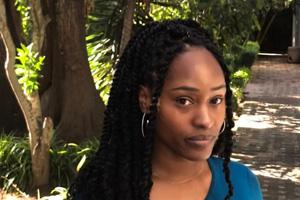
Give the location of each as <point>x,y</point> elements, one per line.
<point>62,152</point>
<point>80,164</point>
<point>9,183</point>
<point>260,4</point>
<point>20,71</point>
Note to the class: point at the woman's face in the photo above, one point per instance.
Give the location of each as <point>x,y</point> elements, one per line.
<point>191,108</point>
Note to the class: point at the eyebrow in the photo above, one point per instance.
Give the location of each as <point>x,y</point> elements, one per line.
<point>193,89</point>
<point>218,87</point>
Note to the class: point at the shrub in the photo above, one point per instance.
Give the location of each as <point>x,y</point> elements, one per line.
<point>101,58</point>
<point>239,80</point>
<point>65,161</point>
<point>15,163</point>
<point>247,54</point>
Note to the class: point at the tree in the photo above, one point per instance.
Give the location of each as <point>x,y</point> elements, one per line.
<point>127,24</point>
<point>67,89</point>
<point>39,129</point>
<point>11,115</point>
<point>267,12</point>
<point>68,94</point>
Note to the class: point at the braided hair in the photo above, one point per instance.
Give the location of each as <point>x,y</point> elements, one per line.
<point>121,168</point>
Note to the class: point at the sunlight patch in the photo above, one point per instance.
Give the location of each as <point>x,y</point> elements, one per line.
<point>279,172</point>
<point>255,122</point>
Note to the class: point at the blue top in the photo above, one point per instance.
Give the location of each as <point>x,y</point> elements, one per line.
<point>245,183</point>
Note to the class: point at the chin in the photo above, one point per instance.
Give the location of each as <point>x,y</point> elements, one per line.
<point>202,156</point>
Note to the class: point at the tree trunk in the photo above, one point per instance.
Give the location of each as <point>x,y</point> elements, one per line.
<point>40,23</point>
<point>39,134</point>
<point>11,117</point>
<point>68,91</point>
<point>127,24</point>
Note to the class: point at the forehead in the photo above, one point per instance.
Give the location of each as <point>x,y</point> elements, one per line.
<point>195,67</point>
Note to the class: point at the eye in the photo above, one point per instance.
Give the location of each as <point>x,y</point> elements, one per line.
<point>216,100</point>
<point>184,101</point>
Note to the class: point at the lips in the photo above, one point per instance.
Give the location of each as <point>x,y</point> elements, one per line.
<point>199,141</point>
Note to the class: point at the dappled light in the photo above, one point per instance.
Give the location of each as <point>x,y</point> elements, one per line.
<point>259,115</point>
<point>280,172</point>
<point>276,171</point>
<point>268,131</point>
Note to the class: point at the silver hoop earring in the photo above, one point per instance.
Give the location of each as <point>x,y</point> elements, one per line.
<point>142,124</point>
<point>223,127</point>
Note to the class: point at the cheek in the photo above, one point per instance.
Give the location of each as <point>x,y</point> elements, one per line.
<point>220,112</point>
<point>220,116</point>
<point>168,121</point>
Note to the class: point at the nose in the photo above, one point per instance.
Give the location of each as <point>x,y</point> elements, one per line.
<point>202,117</point>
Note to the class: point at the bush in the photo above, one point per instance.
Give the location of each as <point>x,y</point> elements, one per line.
<point>65,161</point>
<point>101,57</point>
<point>247,54</point>
<point>15,165</point>
<point>239,80</point>
<point>241,77</point>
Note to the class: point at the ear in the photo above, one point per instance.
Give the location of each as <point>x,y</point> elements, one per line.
<point>144,98</point>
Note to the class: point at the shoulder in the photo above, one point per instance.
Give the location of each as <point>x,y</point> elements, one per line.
<point>236,168</point>
<point>243,179</point>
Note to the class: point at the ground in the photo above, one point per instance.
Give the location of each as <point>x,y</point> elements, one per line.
<point>268,131</point>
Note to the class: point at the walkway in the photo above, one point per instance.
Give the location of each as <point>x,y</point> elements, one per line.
<point>268,134</point>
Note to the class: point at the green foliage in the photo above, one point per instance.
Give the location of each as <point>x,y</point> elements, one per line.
<point>239,80</point>
<point>101,57</point>
<point>273,4</point>
<point>169,10</point>
<point>247,54</point>
<point>103,30</point>
<point>239,62</point>
<point>65,160</point>
<point>15,163</point>
<point>230,22</point>
<point>105,22</point>
<point>24,10</point>
<point>241,77</point>
<point>28,68</point>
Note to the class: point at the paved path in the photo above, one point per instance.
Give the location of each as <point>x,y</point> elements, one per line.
<point>268,134</point>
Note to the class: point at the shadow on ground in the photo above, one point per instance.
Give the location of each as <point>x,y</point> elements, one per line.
<point>268,141</point>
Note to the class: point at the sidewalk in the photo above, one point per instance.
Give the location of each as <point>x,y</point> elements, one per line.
<point>268,133</point>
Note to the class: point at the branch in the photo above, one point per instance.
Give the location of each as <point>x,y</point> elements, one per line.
<point>39,135</point>
<point>40,23</point>
<point>127,24</point>
<point>10,62</point>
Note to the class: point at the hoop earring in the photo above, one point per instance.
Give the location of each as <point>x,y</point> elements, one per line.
<point>142,124</point>
<point>223,127</point>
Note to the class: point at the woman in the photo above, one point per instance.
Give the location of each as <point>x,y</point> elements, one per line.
<point>167,129</point>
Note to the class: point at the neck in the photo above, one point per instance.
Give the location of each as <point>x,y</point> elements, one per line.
<point>174,168</point>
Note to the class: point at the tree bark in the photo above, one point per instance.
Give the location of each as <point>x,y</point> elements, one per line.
<point>127,24</point>
<point>30,105</point>
<point>40,23</point>
<point>11,117</point>
<point>69,95</point>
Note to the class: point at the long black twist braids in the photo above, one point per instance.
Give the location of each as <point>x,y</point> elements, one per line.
<point>121,169</point>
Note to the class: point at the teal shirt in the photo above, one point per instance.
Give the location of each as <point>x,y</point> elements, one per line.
<point>245,184</point>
